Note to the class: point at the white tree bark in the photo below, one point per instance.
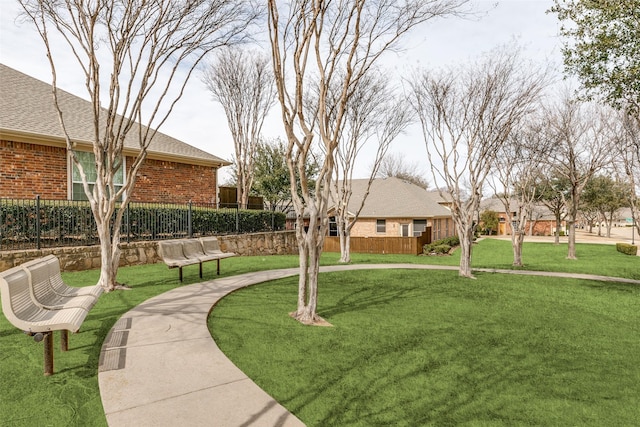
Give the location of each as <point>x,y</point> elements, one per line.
<point>136,58</point>
<point>466,116</point>
<point>242,82</point>
<point>374,113</point>
<point>316,46</point>
<point>582,146</point>
<point>517,177</point>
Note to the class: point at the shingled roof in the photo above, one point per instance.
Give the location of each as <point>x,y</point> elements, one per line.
<point>27,112</point>
<point>395,198</point>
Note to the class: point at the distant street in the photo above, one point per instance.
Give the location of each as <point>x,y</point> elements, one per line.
<point>618,235</point>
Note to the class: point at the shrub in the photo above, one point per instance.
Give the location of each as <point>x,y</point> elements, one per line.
<point>451,241</point>
<point>442,246</point>
<point>626,248</point>
<point>440,249</point>
<point>68,222</point>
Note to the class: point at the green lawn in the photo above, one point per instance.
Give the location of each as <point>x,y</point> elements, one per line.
<point>71,396</point>
<point>413,348</point>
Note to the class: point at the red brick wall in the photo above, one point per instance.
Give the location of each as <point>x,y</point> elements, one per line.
<point>27,170</point>
<point>542,227</point>
<point>171,182</point>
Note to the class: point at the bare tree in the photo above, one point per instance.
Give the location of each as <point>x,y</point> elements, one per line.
<point>582,138</point>
<point>242,82</point>
<point>627,132</point>
<point>466,116</point>
<point>324,43</point>
<point>143,53</point>
<point>374,113</point>
<point>394,165</point>
<point>552,193</point>
<point>516,179</point>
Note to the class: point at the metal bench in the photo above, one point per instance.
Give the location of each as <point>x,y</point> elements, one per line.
<point>35,319</point>
<point>180,253</point>
<point>43,293</point>
<point>61,288</point>
<point>211,248</point>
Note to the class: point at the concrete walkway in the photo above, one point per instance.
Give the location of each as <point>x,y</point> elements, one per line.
<point>160,367</point>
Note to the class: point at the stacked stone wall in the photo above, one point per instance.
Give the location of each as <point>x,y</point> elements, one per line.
<point>138,253</point>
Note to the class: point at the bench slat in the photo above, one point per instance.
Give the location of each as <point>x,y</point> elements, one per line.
<point>42,291</point>
<point>22,312</point>
<point>61,288</point>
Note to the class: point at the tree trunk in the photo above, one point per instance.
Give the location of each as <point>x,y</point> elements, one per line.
<point>465,256</point>
<point>308,283</point>
<point>517,239</point>
<point>109,257</point>
<point>345,246</point>
<point>466,243</point>
<point>572,240</point>
<point>310,244</point>
<point>609,224</point>
<point>557,233</point>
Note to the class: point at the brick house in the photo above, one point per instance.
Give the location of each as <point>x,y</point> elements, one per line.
<point>396,208</point>
<point>542,222</point>
<point>34,159</point>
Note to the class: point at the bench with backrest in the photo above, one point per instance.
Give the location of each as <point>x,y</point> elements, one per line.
<point>180,253</point>
<point>43,293</point>
<point>211,247</point>
<point>61,288</point>
<point>40,317</point>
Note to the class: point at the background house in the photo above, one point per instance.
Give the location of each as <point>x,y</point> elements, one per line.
<point>396,208</point>
<point>34,158</point>
<point>541,222</point>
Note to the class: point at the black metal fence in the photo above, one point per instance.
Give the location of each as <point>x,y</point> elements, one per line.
<point>39,223</point>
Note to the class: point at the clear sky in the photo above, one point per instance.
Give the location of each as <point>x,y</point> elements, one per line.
<point>198,121</point>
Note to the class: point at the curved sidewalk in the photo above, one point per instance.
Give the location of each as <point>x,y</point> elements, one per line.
<point>160,367</point>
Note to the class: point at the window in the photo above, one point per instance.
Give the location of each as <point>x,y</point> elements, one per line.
<point>436,225</point>
<point>419,226</point>
<point>381,226</point>
<point>333,226</point>
<point>87,160</point>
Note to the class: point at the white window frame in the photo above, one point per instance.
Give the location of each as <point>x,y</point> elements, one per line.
<point>413,224</point>
<point>72,182</point>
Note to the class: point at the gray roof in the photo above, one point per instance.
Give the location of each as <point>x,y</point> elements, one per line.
<point>27,110</point>
<point>395,198</point>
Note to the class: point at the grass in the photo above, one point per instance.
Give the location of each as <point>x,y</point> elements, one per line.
<point>71,396</point>
<point>412,348</point>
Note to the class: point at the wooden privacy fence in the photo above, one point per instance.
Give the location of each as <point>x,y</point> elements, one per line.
<point>382,245</point>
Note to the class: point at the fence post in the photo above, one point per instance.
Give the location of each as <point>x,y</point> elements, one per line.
<point>189,220</point>
<point>38,222</point>
<point>237,219</point>
<point>128,222</point>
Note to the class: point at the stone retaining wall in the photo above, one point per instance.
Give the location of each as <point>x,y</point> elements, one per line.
<point>88,257</point>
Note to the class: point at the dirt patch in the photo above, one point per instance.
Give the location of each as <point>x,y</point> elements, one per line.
<point>317,320</point>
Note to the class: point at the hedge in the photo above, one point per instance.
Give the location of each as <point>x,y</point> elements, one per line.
<point>626,248</point>
<point>442,246</point>
<point>62,223</point>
